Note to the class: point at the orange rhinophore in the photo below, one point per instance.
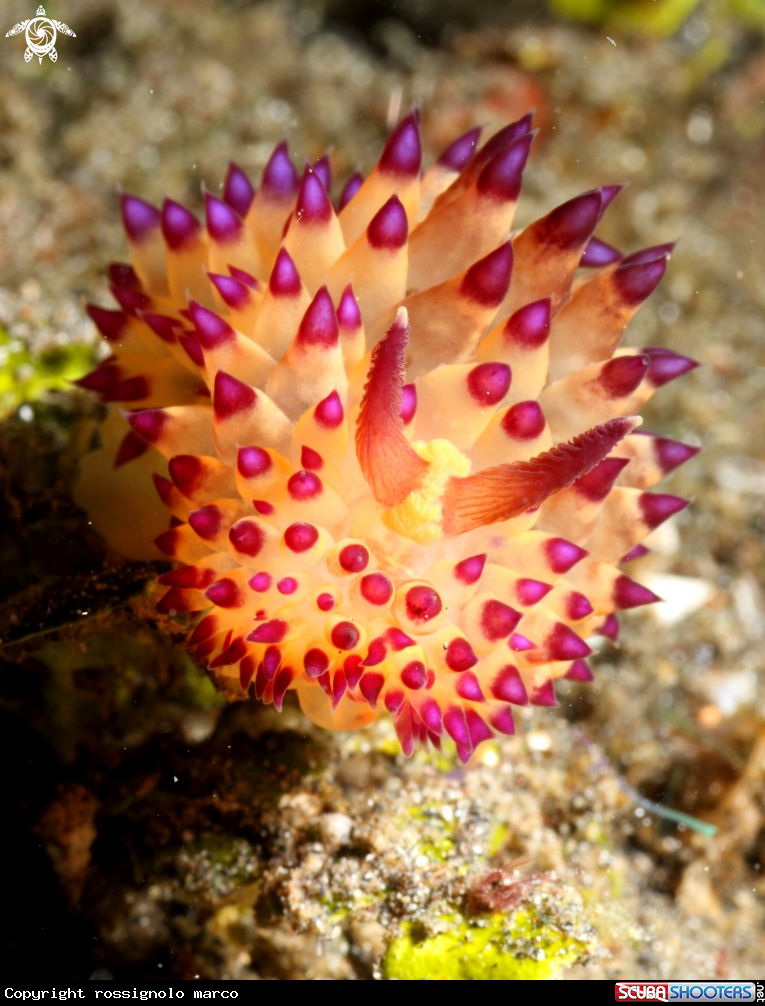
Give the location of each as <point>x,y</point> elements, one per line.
<point>390,448</point>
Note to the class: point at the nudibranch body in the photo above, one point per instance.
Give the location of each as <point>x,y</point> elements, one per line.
<point>394,441</point>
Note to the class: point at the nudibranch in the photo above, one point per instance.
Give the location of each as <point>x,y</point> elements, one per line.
<point>390,444</point>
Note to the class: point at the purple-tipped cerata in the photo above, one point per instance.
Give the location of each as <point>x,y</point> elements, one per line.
<point>348,313</point>
<point>280,179</point>
<point>179,226</point>
<point>319,326</point>
<point>350,189</point>
<point>598,253</point>
<point>457,155</point>
<point>235,294</point>
<point>323,171</point>
<point>285,279</point>
<point>211,328</point>
<point>237,190</point>
<point>313,205</point>
<point>402,153</point>
<point>389,228</point>
<point>223,222</point>
<point>395,443</point>
<point>139,218</point>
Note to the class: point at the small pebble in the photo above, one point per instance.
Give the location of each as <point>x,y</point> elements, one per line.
<point>335,830</point>
<point>538,740</point>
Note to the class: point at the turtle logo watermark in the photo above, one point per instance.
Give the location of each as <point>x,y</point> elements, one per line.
<point>41,34</point>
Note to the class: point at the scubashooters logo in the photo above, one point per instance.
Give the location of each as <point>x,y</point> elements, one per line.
<point>686,991</point>
<point>41,32</point>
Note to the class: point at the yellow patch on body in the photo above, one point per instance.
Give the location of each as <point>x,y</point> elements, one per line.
<point>419,516</point>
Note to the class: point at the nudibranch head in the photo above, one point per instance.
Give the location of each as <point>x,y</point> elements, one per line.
<point>390,446</point>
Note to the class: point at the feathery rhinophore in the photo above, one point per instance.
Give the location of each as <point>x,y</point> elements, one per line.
<point>390,445</point>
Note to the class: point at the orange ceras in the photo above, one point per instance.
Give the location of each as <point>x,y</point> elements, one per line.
<point>395,443</point>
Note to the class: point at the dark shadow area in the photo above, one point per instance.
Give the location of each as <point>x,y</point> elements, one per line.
<point>428,18</point>
<point>38,936</point>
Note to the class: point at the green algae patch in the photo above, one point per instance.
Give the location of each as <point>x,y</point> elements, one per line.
<point>26,375</point>
<point>497,839</point>
<point>437,838</point>
<point>495,948</point>
<point>198,691</point>
<point>217,865</point>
